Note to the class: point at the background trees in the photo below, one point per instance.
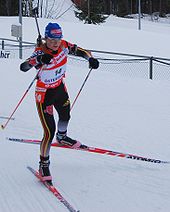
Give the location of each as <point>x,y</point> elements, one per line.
<point>9,7</point>
<point>125,7</point>
<point>91,10</point>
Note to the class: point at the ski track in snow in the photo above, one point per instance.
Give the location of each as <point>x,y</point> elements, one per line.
<point>90,182</point>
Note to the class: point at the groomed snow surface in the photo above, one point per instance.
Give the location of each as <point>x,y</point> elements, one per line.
<point>130,115</point>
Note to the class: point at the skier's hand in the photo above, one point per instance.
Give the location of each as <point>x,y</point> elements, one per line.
<point>44,58</point>
<point>93,63</point>
<point>25,66</point>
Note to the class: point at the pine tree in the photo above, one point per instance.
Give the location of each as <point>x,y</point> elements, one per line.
<point>91,12</point>
<point>122,8</point>
<point>9,7</point>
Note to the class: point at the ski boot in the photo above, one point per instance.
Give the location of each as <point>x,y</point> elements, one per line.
<point>63,139</point>
<point>44,170</point>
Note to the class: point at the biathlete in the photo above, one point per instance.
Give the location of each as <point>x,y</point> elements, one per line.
<point>50,59</point>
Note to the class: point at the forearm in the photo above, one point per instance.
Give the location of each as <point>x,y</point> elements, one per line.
<point>31,62</point>
<point>78,51</point>
<point>83,53</point>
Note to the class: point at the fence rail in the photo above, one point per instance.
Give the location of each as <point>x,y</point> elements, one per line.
<point>120,63</point>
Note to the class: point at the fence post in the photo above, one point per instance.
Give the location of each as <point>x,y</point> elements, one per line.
<point>151,68</point>
<point>3,44</point>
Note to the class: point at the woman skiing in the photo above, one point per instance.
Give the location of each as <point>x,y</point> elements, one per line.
<point>50,58</point>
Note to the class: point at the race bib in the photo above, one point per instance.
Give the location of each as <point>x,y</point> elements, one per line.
<point>52,76</point>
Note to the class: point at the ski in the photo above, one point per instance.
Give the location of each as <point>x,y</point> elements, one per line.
<point>54,190</point>
<point>5,117</point>
<point>95,150</point>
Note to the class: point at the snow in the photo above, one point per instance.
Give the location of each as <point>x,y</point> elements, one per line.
<point>130,115</point>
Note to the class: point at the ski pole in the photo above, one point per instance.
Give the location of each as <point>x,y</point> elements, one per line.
<point>10,118</point>
<point>80,89</point>
<point>35,13</point>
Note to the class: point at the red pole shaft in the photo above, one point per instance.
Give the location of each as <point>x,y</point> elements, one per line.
<point>4,126</point>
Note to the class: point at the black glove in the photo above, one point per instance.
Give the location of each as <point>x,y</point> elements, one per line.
<point>44,58</point>
<point>25,66</point>
<point>93,63</point>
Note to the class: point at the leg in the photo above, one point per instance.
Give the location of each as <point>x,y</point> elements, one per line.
<point>63,108</point>
<point>47,120</point>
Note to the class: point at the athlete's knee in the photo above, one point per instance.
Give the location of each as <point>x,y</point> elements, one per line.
<point>64,117</point>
